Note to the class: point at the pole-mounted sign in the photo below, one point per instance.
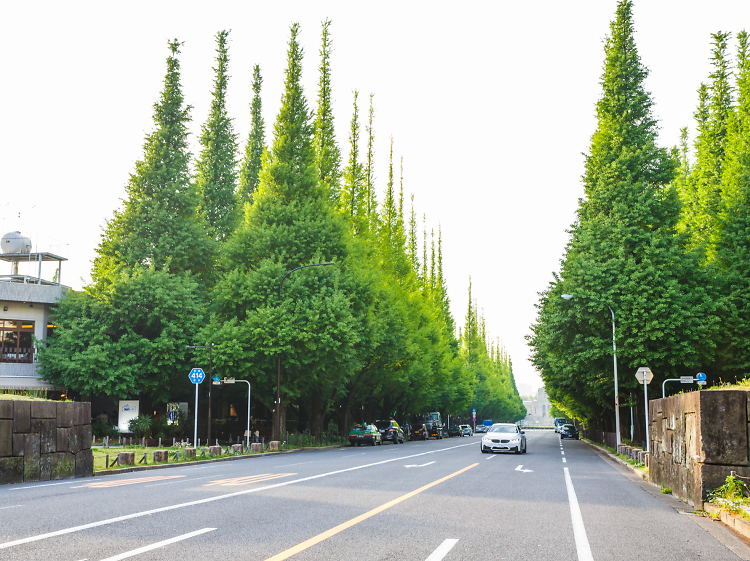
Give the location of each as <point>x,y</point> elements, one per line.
<point>701,378</point>
<point>644,374</point>
<point>196,377</point>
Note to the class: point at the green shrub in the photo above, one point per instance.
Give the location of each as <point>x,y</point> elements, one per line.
<point>140,426</point>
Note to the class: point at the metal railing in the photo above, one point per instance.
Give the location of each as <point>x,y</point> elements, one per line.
<point>17,354</point>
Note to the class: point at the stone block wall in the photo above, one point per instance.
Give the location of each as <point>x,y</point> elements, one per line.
<point>697,439</point>
<point>44,440</point>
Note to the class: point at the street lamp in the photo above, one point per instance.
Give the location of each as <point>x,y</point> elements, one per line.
<point>614,355</point>
<point>210,383</point>
<point>278,375</point>
<point>232,381</point>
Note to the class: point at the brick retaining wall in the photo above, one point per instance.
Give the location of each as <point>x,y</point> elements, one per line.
<point>44,440</point>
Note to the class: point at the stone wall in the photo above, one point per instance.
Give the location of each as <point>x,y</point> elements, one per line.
<point>697,439</point>
<point>44,440</point>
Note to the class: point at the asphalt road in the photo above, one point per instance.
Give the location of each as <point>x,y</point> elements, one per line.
<point>414,501</point>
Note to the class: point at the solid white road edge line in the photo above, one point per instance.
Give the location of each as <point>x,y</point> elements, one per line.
<point>442,550</point>
<point>157,545</point>
<point>211,499</point>
<point>579,531</point>
<point>11,506</point>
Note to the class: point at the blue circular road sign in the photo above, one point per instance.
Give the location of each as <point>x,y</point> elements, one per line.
<point>700,376</point>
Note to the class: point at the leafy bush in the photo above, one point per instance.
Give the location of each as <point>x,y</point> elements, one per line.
<point>732,494</point>
<point>140,426</point>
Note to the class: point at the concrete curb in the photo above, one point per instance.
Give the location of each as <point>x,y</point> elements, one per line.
<point>736,523</point>
<point>639,472</point>
<point>212,460</point>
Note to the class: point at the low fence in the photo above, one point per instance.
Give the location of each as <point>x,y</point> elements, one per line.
<point>600,437</point>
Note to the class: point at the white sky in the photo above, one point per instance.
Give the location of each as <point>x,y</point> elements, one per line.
<point>490,103</point>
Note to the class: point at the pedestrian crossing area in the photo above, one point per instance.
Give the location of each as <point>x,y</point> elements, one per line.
<point>247,479</point>
<point>104,484</point>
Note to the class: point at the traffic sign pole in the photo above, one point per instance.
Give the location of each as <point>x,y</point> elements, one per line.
<point>195,429</point>
<point>644,376</point>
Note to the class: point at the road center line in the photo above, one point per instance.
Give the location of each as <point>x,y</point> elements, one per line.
<point>579,531</point>
<point>442,550</point>
<point>211,499</point>
<point>11,506</point>
<point>354,521</point>
<point>157,545</point>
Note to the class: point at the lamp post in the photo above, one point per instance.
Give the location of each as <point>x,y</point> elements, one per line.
<point>233,381</point>
<point>278,375</point>
<point>614,355</point>
<point>210,383</point>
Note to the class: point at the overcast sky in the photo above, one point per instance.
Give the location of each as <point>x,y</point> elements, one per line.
<point>491,105</point>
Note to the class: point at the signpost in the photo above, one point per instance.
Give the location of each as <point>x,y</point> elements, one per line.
<point>474,418</point>
<point>681,379</point>
<point>644,374</point>
<point>701,378</point>
<point>196,377</point>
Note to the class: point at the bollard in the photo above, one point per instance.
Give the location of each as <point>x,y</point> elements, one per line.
<point>217,442</point>
<point>263,443</point>
<point>174,441</point>
<point>199,443</point>
<point>159,442</point>
<point>297,444</point>
<point>106,460</point>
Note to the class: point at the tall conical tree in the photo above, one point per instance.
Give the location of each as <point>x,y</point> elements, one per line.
<point>125,335</point>
<point>351,202</point>
<point>369,169</point>
<point>216,168</point>
<point>733,238</point>
<point>712,116</point>
<point>158,225</point>
<point>328,155</point>
<point>624,253</point>
<point>312,324</point>
<point>256,143</point>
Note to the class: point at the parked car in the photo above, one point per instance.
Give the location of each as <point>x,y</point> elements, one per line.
<point>504,437</point>
<point>419,432</point>
<point>390,430</point>
<point>455,430</point>
<point>559,421</point>
<point>466,430</point>
<point>364,434</point>
<point>569,431</point>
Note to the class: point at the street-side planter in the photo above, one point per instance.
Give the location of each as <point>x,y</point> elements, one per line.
<point>736,522</point>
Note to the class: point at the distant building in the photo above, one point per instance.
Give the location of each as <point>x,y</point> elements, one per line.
<point>25,305</point>
<point>538,411</point>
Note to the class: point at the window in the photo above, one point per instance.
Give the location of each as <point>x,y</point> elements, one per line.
<point>16,340</point>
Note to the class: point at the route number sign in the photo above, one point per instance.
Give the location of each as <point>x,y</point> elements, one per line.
<point>196,375</point>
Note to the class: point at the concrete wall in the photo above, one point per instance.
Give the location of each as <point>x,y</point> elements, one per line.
<point>697,439</point>
<point>44,440</point>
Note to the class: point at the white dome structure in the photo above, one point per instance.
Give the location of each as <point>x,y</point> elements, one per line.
<point>15,243</point>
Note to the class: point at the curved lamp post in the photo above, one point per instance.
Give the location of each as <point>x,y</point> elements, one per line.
<point>614,354</point>
<point>278,375</point>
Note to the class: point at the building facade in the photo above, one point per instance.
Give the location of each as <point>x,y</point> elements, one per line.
<point>538,411</point>
<point>26,303</point>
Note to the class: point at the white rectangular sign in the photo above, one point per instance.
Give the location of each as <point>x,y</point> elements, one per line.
<point>128,410</point>
<point>686,379</point>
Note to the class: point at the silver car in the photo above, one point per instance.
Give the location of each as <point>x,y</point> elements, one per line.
<point>503,437</point>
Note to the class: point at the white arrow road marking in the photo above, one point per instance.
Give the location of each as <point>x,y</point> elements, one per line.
<point>442,550</point>
<point>420,466</point>
<point>157,545</point>
<point>520,468</point>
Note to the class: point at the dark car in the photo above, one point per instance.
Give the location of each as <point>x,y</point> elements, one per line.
<point>455,430</point>
<point>418,432</point>
<point>390,430</point>
<point>569,431</point>
<point>364,434</point>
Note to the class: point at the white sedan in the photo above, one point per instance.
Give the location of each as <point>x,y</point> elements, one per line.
<point>504,437</point>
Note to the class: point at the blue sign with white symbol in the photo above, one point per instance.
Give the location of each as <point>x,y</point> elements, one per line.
<point>473,410</point>
<point>700,376</point>
<point>216,378</point>
<point>196,375</point>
